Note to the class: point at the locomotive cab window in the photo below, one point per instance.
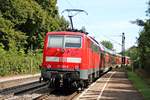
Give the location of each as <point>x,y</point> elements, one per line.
<point>55,41</point>
<point>72,42</point>
<point>62,41</point>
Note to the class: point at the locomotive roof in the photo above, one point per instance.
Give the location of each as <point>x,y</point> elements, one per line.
<point>107,50</point>
<point>118,54</point>
<point>102,47</point>
<point>93,40</point>
<point>70,31</point>
<point>65,33</point>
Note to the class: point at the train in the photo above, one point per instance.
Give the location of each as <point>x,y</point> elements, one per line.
<point>73,59</point>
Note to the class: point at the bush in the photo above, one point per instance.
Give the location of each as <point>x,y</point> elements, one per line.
<point>13,63</point>
<point>136,64</point>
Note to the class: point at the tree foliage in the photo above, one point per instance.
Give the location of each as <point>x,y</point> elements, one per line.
<point>107,44</point>
<point>144,43</point>
<point>132,52</point>
<point>28,21</point>
<point>144,46</point>
<point>23,25</point>
<point>9,37</point>
<point>49,6</point>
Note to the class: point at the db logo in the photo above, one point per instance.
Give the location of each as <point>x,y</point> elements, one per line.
<point>49,66</point>
<point>62,59</point>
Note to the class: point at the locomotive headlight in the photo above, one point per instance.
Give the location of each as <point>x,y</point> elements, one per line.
<point>76,67</point>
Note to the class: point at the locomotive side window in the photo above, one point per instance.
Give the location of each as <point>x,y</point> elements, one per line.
<point>55,41</point>
<point>72,42</point>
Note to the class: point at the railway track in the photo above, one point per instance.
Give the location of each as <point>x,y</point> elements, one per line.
<point>41,97</point>
<point>8,82</point>
<point>71,97</point>
<point>36,91</point>
<point>60,94</point>
<point>22,89</point>
<point>55,94</point>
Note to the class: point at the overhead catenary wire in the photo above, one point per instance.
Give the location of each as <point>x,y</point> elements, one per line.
<point>69,3</point>
<point>70,14</point>
<point>112,40</point>
<point>72,6</point>
<point>84,21</point>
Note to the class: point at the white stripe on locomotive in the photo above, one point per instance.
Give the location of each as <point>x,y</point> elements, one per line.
<point>63,59</point>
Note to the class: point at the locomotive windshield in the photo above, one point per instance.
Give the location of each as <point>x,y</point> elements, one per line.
<point>55,41</point>
<point>60,41</point>
<point>72,42</point>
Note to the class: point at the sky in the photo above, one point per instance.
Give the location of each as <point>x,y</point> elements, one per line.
<point>108,19</point>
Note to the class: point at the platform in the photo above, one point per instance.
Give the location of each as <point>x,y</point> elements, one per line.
<point>112,86</point>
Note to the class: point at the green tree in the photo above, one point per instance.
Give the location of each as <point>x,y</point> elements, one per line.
<point>107,44</point>
<point>132,52</point>
<point>23,25</point>
<point>10,38</point>
<point>50,6</point>
<point>144,41</point>
<point>32,17</point>
<point>144,46</point>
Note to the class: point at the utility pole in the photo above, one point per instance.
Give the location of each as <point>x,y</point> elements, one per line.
<point>123,49</point>
<point>72,13</point>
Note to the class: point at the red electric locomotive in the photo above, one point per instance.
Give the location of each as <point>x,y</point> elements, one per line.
<point>71,59</point>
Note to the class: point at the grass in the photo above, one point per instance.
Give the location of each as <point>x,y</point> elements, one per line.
<point>140,84</point>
